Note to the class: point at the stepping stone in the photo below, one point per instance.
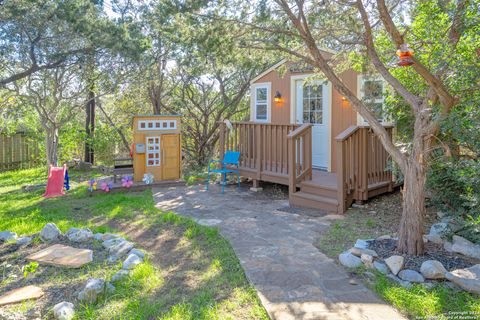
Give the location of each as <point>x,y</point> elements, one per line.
<point>21,294</point>
<point>62,256</point>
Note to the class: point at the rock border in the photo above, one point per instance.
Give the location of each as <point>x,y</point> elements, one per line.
<point>433,271</point>
<point>116,246</point>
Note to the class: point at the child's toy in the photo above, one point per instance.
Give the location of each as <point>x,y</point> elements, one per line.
<point>106,186</point>
<point>57,179</point>
<point>148,178</point>
<point>127,182</point>
<point>92,185</point>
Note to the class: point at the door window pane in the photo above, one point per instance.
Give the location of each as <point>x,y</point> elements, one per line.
<point>313,104</point>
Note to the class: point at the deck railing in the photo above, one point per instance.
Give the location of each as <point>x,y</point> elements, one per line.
<point>263,148</point>
<point>361,162</point>
<point>300,152</point>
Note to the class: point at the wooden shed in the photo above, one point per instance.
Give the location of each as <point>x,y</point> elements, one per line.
<point>156,146</point>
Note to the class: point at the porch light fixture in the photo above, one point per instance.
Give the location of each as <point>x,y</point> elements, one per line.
<point>278,97</point>
<point>404,54</point>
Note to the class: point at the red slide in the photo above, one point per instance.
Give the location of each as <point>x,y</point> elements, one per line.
<point>56,176</point>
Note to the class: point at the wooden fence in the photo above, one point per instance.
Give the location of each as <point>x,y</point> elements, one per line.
<point>18,152</point>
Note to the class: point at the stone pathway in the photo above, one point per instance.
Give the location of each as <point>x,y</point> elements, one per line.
<point>294,280</point>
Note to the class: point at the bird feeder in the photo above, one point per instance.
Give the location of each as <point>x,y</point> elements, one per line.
<point>405,55</point>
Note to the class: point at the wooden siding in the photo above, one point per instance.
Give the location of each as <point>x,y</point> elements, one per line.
<point>342,114</point>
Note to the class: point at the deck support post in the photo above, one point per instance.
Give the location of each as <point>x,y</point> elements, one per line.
<point>256,186</point>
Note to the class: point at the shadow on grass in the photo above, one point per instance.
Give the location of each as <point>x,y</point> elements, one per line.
<point>191,273</point>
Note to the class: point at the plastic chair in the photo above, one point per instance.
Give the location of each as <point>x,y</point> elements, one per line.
<point>230,160</point>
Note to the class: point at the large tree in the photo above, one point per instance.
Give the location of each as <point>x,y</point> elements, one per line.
<point>439,32</point>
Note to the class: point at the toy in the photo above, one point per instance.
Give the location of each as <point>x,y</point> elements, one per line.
<point>57,180</point>
<point>127,182</point>
<point>106,186</point>
<point>148,178</point>
<point>92,185</point>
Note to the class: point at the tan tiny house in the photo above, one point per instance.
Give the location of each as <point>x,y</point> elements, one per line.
<point>304,134</point>
<point>156,146</point>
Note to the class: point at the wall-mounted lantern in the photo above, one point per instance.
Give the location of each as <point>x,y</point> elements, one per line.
<point>278,97</point>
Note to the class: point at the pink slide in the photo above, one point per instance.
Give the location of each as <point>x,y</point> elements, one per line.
<point>56,176</point>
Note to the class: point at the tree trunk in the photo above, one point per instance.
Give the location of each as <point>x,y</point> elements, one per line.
<point>90,127</point>
<point>51,141</point>
<point>410,237</point>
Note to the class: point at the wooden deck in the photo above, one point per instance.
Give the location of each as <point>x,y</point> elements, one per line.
<point>283,154</point>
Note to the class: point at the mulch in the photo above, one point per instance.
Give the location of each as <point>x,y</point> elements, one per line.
<point>451,261</point>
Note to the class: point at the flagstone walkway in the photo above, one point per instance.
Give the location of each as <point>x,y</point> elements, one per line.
<point>294,280</point>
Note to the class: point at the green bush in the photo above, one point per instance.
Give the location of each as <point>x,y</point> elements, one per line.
<point>456,189</point>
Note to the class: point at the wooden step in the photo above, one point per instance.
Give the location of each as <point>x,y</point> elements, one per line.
<point>317,189</point>
<point>308,200</point>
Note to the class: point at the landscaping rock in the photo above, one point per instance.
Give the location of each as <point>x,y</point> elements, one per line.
<point>93,288</point>
<point>401,282</point>
<point>119,250</point>
<point>367,260</point>
<point>109,236</point>
<point>447,246</point>
<point>395,263</point>
<point>23,240</point>
<point>64,311</point>
<point>411,276</point>
<point>439,229</point>
<point>107,244</point>
<point>7,236</point>
<point>362,244</point>
<point>381,267</point>
<point>429,285</point>
<point>465,247</point>
<point>120,275</point>
<point>79,235</point>
<point>467,279</point>
<point>384,237</point>
<point>349,260</point>
<point>453,224</point>
<point>110,288</point>
<point>441,214</point>
<point>434,238</point>
<point>359,251</point>
<point>433,269</point>
<point>137,252</point>
<point>98,236</point>
<point>131,261</point>
<point>50,232</point>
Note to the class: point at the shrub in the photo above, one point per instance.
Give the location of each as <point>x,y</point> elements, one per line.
<point>456,189</point>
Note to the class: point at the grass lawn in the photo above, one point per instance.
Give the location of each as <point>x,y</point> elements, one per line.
<point>190,273</point>
<point>382,216</point>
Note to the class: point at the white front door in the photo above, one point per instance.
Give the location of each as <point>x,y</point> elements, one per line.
<point>313,106</point>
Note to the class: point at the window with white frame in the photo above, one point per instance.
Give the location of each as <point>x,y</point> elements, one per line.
<point>312,103</point>
<point>153,151</point>
<point>261,99</point>
<point>372,92</point>
<point>157,124</point>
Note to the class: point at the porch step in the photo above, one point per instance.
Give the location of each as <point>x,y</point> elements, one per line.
<point>309,200</point>
<point>317,189</point>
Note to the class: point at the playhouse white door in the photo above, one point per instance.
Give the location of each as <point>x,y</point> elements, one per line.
<point>313,106</point>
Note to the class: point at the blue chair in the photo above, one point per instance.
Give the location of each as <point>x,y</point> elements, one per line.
<point>229,165</point>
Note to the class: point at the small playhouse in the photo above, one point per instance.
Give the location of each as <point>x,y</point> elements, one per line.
<point>156,147</point>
